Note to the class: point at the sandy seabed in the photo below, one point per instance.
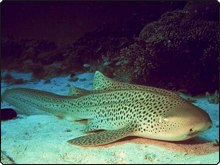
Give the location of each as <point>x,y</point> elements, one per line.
<point>38,139</point>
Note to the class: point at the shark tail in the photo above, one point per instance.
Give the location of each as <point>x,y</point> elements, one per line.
<point>29,101</point>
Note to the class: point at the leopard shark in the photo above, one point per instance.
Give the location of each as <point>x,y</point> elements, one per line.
<point>114,110</point>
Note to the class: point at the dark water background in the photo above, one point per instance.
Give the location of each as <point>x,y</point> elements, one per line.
<point>63,22</point>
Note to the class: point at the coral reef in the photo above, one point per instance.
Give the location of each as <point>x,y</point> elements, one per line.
<point>178,51</point>
<point>46,59</point>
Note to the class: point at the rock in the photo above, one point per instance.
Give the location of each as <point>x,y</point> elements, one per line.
<point>8,113</point>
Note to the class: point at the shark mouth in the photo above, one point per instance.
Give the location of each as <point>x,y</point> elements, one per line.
<point>193,133</point>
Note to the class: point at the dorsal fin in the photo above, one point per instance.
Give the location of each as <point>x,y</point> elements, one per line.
<point>101,82</point>
<point>74,91</point>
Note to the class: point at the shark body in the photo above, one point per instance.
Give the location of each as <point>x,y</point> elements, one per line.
<point>118,109</point>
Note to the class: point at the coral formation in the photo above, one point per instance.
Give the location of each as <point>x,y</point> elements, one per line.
<point>178,51</point>
<point>46,59</point>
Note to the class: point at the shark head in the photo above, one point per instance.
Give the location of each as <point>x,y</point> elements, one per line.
<point>176,120</point>
<point>185,121</point>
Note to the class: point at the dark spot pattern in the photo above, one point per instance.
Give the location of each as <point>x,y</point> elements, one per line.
<point>112,106</point>
<point>102,137</point>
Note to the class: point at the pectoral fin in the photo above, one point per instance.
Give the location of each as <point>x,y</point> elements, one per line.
<point>102,137</point>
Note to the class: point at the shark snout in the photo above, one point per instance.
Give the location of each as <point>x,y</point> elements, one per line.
<point>190,122</point>
<point>198,128</point>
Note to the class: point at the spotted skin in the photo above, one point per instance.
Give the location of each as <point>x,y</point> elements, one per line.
<point>118,109</point>
<point>103,137</point>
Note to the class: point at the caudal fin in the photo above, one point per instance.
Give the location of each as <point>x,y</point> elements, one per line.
<point>26,101</point>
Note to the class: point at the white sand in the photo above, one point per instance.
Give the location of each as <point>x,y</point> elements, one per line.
<point>42,138</point>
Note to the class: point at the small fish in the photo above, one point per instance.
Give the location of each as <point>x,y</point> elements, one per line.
<point>114,110</point>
